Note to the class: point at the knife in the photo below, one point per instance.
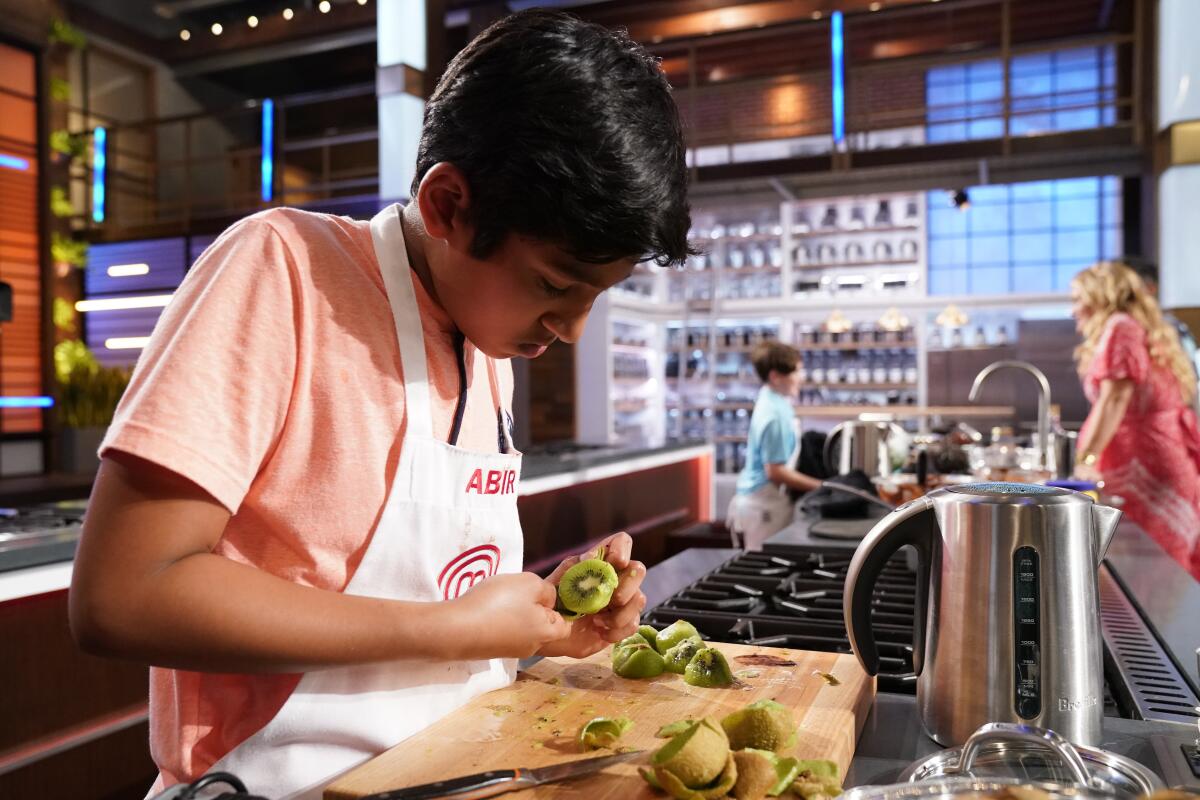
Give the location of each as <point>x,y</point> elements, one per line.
<point>499,781</point>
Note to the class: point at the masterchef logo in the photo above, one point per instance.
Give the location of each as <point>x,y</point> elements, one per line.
<point>467,569</point>
<point>492,481</point>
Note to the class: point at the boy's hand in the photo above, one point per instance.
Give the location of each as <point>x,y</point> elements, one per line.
<point>506,616</point>
<point>593,633</point>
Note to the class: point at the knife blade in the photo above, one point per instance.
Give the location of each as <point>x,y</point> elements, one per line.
<point>499,781</point>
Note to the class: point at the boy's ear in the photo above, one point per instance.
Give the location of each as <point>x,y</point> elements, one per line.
<point>443,198</point>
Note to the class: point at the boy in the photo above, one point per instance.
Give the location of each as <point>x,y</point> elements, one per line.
<point>760,508</point>
<point>305,517</point>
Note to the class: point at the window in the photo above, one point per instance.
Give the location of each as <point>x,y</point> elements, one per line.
<point>1023,238</point>
<point>1057,91</point>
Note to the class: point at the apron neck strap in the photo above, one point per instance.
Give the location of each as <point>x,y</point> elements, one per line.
<point>388,235</point>
<point>387,232</point>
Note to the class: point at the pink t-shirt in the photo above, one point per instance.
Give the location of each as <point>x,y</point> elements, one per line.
<point>273,381</point>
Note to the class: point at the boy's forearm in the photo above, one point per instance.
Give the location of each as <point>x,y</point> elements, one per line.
<point>208,613</point>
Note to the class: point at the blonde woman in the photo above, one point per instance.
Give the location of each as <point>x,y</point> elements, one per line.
<point>1142,436</point>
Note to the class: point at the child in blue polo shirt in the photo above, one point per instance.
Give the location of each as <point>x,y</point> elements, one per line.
<point>761,506</point>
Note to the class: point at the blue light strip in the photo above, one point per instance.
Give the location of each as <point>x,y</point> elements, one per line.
<point>26,402</point>
<point>836,48</point>
<point>12,162</point>
<point>99,166</point>
<point>268,150</point>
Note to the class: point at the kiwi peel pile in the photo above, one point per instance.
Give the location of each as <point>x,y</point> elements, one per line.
<point>586,587</point>
<point>703,760</point>
<point>677,648</point>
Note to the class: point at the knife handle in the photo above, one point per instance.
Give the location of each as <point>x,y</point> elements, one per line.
<point>468,787</point>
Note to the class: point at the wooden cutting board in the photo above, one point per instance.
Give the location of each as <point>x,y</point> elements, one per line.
<point>535,721</point>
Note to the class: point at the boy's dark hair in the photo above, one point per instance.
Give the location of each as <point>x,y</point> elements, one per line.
<point>777,356</point>
<point>566,132</point>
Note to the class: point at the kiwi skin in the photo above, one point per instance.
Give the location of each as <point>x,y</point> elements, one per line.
<point>599,581</point>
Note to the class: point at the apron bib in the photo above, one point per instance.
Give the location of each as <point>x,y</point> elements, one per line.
<point>450,522</point>
<point>758,516</point>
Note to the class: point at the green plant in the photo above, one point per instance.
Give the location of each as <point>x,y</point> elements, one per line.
<point>69,144</point>
<point>65,250</point>
<point>60,90</point>
<point>60,204</point>
<point>88,393</point>
<point>64,315</point>
<point>63,32</point>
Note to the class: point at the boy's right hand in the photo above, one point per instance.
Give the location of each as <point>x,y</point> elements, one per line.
<point>505,616</point>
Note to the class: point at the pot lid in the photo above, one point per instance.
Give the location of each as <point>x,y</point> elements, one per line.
<point>964,788</point>
<point>1029,755</point>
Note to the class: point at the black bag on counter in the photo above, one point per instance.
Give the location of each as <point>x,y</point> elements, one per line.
<point>830,503</point>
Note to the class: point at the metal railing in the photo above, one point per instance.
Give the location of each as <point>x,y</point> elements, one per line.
<point>180,169</point>
<point>886,101</point>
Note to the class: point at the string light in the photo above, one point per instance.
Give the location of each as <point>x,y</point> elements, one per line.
<point>324,6</point>
<point>253,21</point>
<point>217,29</point>
<point>185,34</point>
<point>288,13</point>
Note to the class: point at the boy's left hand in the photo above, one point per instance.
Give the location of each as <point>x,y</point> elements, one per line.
<point>593,633</point>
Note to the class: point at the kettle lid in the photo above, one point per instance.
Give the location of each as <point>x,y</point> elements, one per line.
<point>1024,493</point>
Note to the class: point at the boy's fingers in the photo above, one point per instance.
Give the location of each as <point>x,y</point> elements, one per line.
<point>567,563</point>
<point>618,548</point>
<point>547,595</point>
<point>630,583</point>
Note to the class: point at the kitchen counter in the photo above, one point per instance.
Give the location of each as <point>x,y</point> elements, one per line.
<point>545,472</point>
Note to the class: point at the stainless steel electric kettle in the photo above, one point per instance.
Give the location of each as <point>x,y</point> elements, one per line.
<point>1007,624</point>
<point>861,444</point>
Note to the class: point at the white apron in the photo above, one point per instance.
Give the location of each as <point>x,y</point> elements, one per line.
<point>449,523</point>
<point>753,518</point>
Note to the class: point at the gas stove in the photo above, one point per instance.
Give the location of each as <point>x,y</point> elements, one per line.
<point>791,596</point>
<point>795,600</point>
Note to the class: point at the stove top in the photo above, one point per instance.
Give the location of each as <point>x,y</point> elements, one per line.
<point>795,600</point>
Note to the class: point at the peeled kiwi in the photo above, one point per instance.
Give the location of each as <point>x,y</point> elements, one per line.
<point>587,587</point>
<point>708,669</point>
<point>637,661</point>
<point>677,657</point>
<point>649,634</point>
<point>675,633</point>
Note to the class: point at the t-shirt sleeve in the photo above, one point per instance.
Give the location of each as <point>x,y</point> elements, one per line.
<point>1123,354</point>
<point>773,447</point>
<point>211,390</point>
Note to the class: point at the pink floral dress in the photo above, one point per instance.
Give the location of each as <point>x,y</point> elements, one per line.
<point>1153,460</point>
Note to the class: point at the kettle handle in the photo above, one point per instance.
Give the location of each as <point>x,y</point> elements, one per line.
<point>912,524</point>
<point>827,452</point>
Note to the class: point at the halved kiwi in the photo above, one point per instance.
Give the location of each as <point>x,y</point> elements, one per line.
<point>587,587</point>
